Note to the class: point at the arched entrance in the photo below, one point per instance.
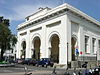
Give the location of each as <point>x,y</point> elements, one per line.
<point>23,51</point>
<point>74,45</point>
<point>36,45</point>
<point>55,48</point>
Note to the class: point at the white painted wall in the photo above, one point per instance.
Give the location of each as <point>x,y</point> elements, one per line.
<point>64,29</point>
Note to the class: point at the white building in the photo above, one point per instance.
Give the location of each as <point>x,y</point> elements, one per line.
<point>59,33</point>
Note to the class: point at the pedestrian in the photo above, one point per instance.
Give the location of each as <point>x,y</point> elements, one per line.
<point>54,71</point>
<point>93,72</point>
<point>80,72</point>
<point>74,73</point>
<point>86,72</point>
<point>96,71</point>
<point>90,71</point>
<point>67,73</point>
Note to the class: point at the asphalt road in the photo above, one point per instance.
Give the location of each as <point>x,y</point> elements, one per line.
<point>20,70</point>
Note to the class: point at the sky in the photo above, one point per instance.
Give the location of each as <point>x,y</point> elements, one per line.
<point>17,10</point>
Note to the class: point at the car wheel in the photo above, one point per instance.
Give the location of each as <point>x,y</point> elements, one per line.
<point>33,64</point>
<point>42,65</point>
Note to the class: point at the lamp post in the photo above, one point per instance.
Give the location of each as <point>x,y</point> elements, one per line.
<point>15,54</point>
<point>67,54</point>
<point>96,59</point>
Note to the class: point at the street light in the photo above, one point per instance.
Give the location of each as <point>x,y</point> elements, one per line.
<point>67,54</point>
<point>15,54</point>
<point>96,59</point>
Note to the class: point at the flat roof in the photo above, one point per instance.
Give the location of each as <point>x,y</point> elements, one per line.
<point>61,7</point>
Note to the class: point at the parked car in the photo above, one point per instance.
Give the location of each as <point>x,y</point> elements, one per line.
<point>45,62</point>
<point>12,61</point>
<point>29,61</point>
<point>19,61</point>
<point>26,61</point>
<point>33,62</point>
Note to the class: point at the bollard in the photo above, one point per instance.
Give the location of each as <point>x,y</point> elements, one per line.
<point>54,71</point>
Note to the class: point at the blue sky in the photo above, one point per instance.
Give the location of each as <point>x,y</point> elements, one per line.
<point>17,10</point>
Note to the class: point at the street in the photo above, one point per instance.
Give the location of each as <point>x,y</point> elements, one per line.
<point>20,70</point>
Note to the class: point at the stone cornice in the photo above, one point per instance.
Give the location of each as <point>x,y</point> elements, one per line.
<point>56,11</point>
<point>38,12</point>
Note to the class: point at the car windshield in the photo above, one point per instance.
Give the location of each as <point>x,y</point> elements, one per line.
<point>45,58</point>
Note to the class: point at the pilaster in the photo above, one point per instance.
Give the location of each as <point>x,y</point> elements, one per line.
<point>28,50</point>
<point>43,42</point>
<point>68,43</point>
<point>81,40</point>
<point>18,46</point>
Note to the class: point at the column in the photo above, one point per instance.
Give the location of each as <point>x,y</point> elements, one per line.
<point>43,42</point>
<point>68,43</point>
<point>63,54</point>
<point>28,46</point>
<point>81,42</point>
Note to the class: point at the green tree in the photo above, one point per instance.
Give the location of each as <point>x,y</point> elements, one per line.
<point>6,37</point>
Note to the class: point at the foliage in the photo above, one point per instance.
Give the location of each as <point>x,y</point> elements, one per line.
<point>3,62</point>
<point>6,37</point>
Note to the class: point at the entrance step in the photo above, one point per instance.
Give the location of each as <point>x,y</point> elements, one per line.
<point>59,65</point>
<point>78,64</point>
<point>75,64</point>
